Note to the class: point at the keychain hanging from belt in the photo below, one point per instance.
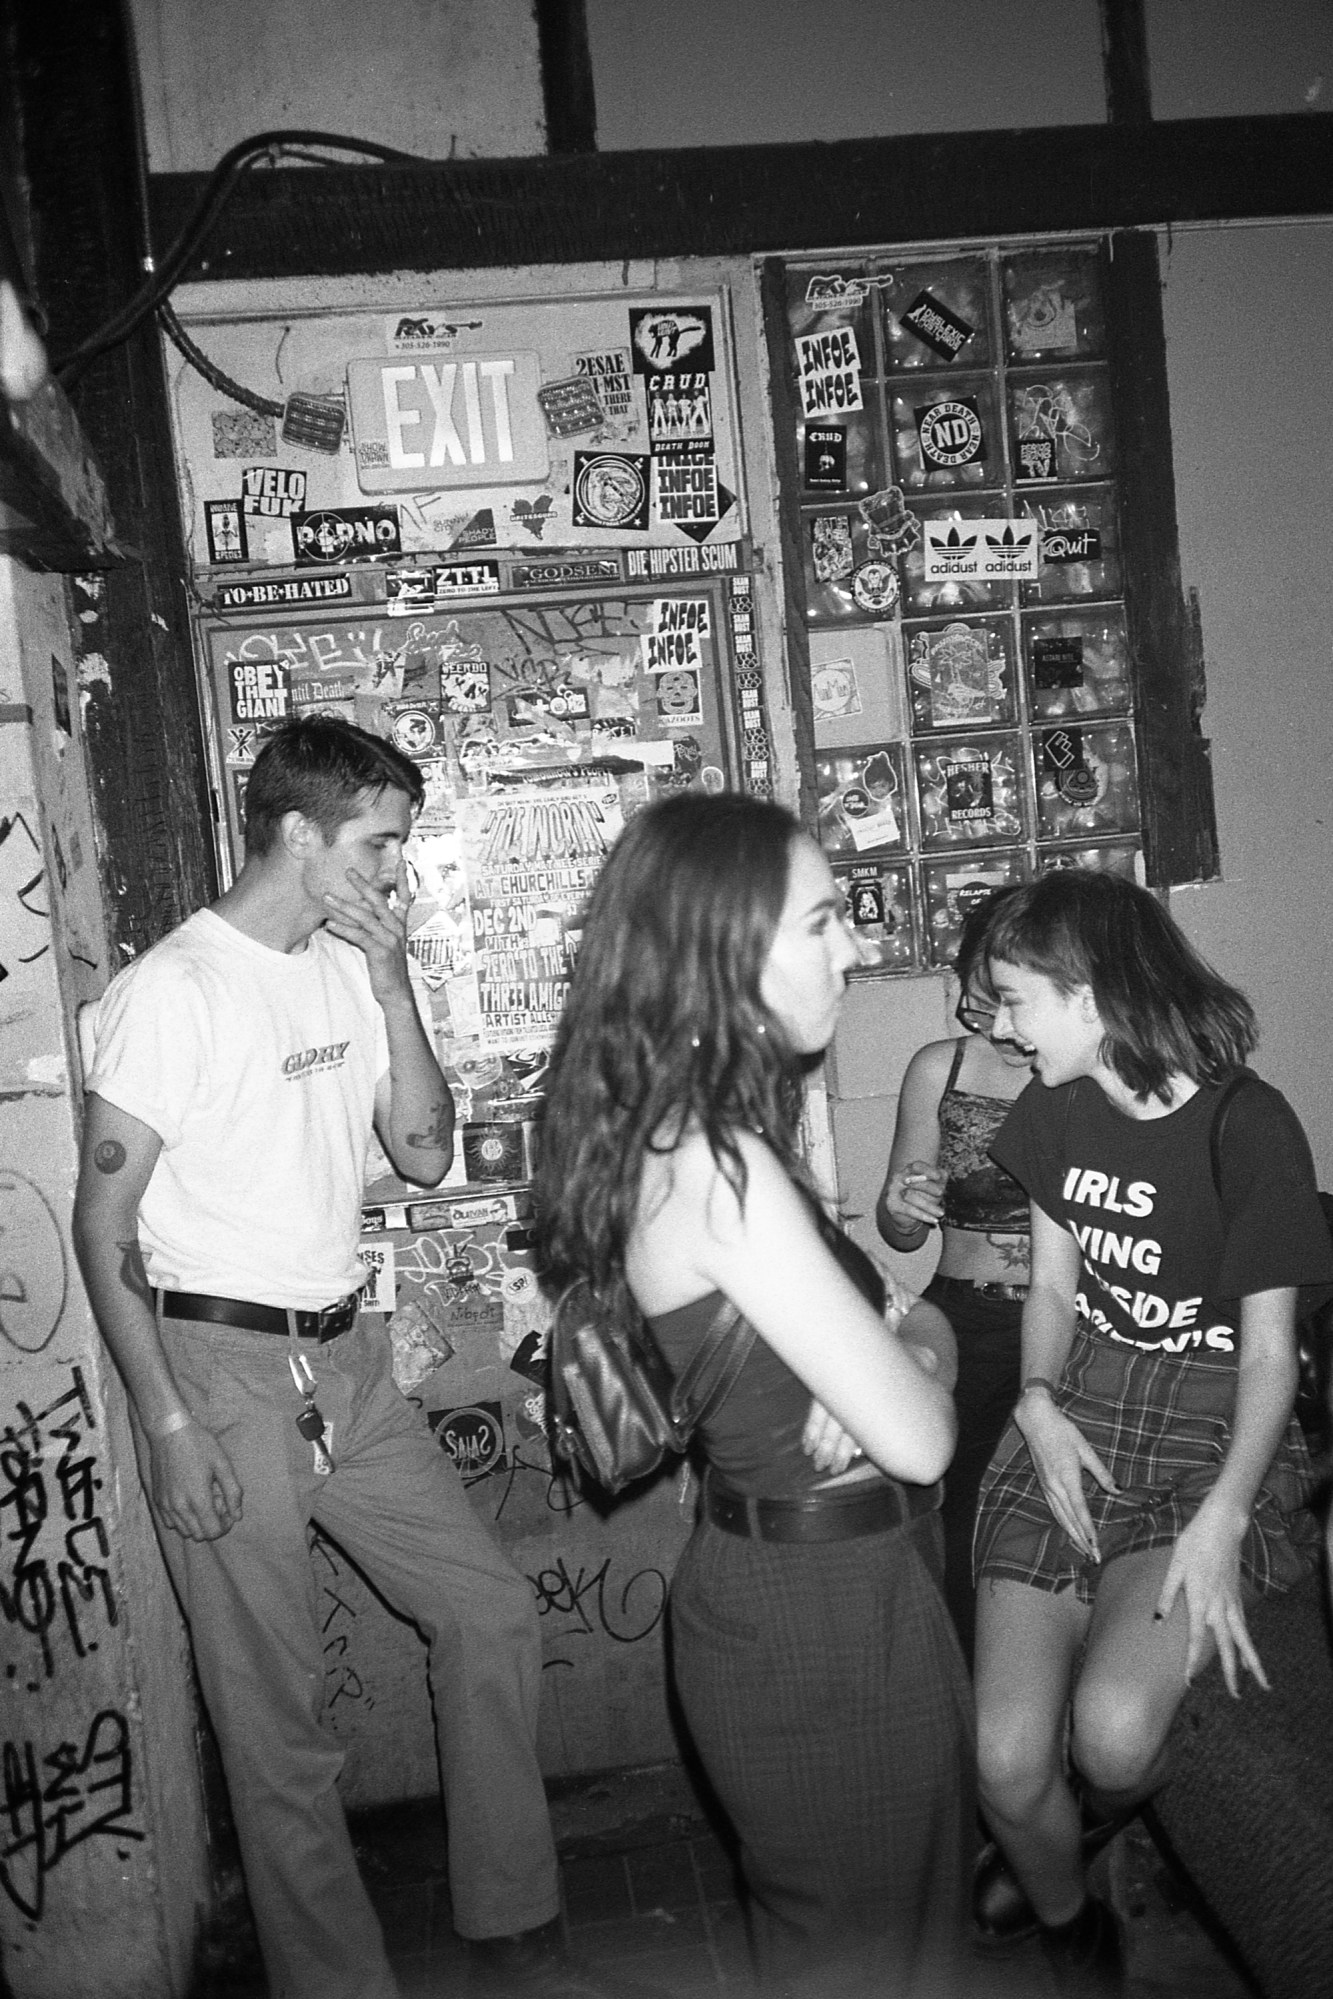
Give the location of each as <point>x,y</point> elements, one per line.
<point>310,1422</point>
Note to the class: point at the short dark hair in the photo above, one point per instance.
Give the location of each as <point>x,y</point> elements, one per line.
<point>969,960</point>
<point>1164,1008</point>
<point>319,765</point>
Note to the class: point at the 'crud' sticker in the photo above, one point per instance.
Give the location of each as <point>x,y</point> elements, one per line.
<point>825,458</point>
<point>828,369</point>
<point>935,326</point>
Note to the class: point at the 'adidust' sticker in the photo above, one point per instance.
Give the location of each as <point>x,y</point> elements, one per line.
<point>828,369</point>
<point>933,323</point>
<point>951,434</point>
<point>991,550</point>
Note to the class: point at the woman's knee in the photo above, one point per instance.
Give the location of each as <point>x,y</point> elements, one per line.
<point>1017,1757</point>
<point>1117,1735</point>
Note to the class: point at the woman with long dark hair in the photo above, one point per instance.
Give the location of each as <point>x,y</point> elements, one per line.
<point>1150,1486</point>
<point>814,1659</point>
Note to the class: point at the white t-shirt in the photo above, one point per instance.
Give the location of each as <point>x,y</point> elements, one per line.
<point>257,1069</point>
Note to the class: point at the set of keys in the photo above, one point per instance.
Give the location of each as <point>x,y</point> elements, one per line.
<point>310,1422</point>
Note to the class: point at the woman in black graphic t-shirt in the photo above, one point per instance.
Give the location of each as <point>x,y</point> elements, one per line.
<point>1149,1485</point>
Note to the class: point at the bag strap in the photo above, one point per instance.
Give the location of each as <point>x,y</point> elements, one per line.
<point>726,1328</point>
<point>1218,1127</point>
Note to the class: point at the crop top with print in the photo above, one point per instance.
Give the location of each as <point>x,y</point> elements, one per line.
<point>978,1195</point>
<point>754,1440</point>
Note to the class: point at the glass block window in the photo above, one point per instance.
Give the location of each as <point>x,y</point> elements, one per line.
<point>970,671</point>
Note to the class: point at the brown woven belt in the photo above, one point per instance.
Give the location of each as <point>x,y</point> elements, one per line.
<point>838,1513</point>
<point>326,1324</point>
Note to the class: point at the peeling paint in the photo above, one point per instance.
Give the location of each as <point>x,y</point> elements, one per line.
<point>46,1070</point>
<point>94,667</point>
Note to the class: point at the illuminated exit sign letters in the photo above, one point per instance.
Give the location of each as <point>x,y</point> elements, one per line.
<point>429,421</point>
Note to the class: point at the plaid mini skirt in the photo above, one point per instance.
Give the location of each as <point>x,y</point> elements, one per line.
<point>1161,1425</point>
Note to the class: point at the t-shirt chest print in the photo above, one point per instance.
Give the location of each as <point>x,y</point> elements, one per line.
<point>1148,1247</point>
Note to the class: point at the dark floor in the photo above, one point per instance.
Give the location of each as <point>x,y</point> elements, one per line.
<point>649,1894</point>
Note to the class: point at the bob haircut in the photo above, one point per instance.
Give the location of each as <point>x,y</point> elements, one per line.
<point>319,766</point>
<point>1165,1010</point>
<point>969,960</point>
<point>665,1024</point>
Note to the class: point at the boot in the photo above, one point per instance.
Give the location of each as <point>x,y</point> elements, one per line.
<point>536,1964</point>
<point>1084,1954</point>
<point>1001,1911</point>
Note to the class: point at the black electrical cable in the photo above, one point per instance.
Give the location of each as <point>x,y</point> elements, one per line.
<point>212,374</point>
<point>235,162</point>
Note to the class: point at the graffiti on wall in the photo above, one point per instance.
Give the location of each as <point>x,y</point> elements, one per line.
<point>57,1797</point>
<point>34,1271</point>
<point>55,1579</point>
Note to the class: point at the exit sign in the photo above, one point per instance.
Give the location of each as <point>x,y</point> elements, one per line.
<point>430,421</point>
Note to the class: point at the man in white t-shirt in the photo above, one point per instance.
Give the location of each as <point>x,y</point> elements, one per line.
<point>239,1067</point>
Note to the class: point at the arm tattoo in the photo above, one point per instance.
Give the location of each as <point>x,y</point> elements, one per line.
<point>441,1128</point>
<point>132,1273</point>
<point>109,1156</point>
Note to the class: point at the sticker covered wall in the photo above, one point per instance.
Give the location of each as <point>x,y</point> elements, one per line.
<point>586,422</point>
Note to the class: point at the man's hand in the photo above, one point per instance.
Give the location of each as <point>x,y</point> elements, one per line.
<point>364,916</point>
<point>191,1479</point>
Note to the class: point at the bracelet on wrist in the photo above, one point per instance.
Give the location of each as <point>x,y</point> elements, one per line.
<point>179,1419</point>
<point>1038,1381</point>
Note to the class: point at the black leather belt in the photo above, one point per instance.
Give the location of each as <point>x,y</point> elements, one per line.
<point>325,1324</point>
<point>982,1288</point>
<point>839,1513</point>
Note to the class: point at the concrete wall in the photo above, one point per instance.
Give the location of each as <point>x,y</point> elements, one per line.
<point>440,78</point>
<point>756,71</point>
<point>103,1858</point>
